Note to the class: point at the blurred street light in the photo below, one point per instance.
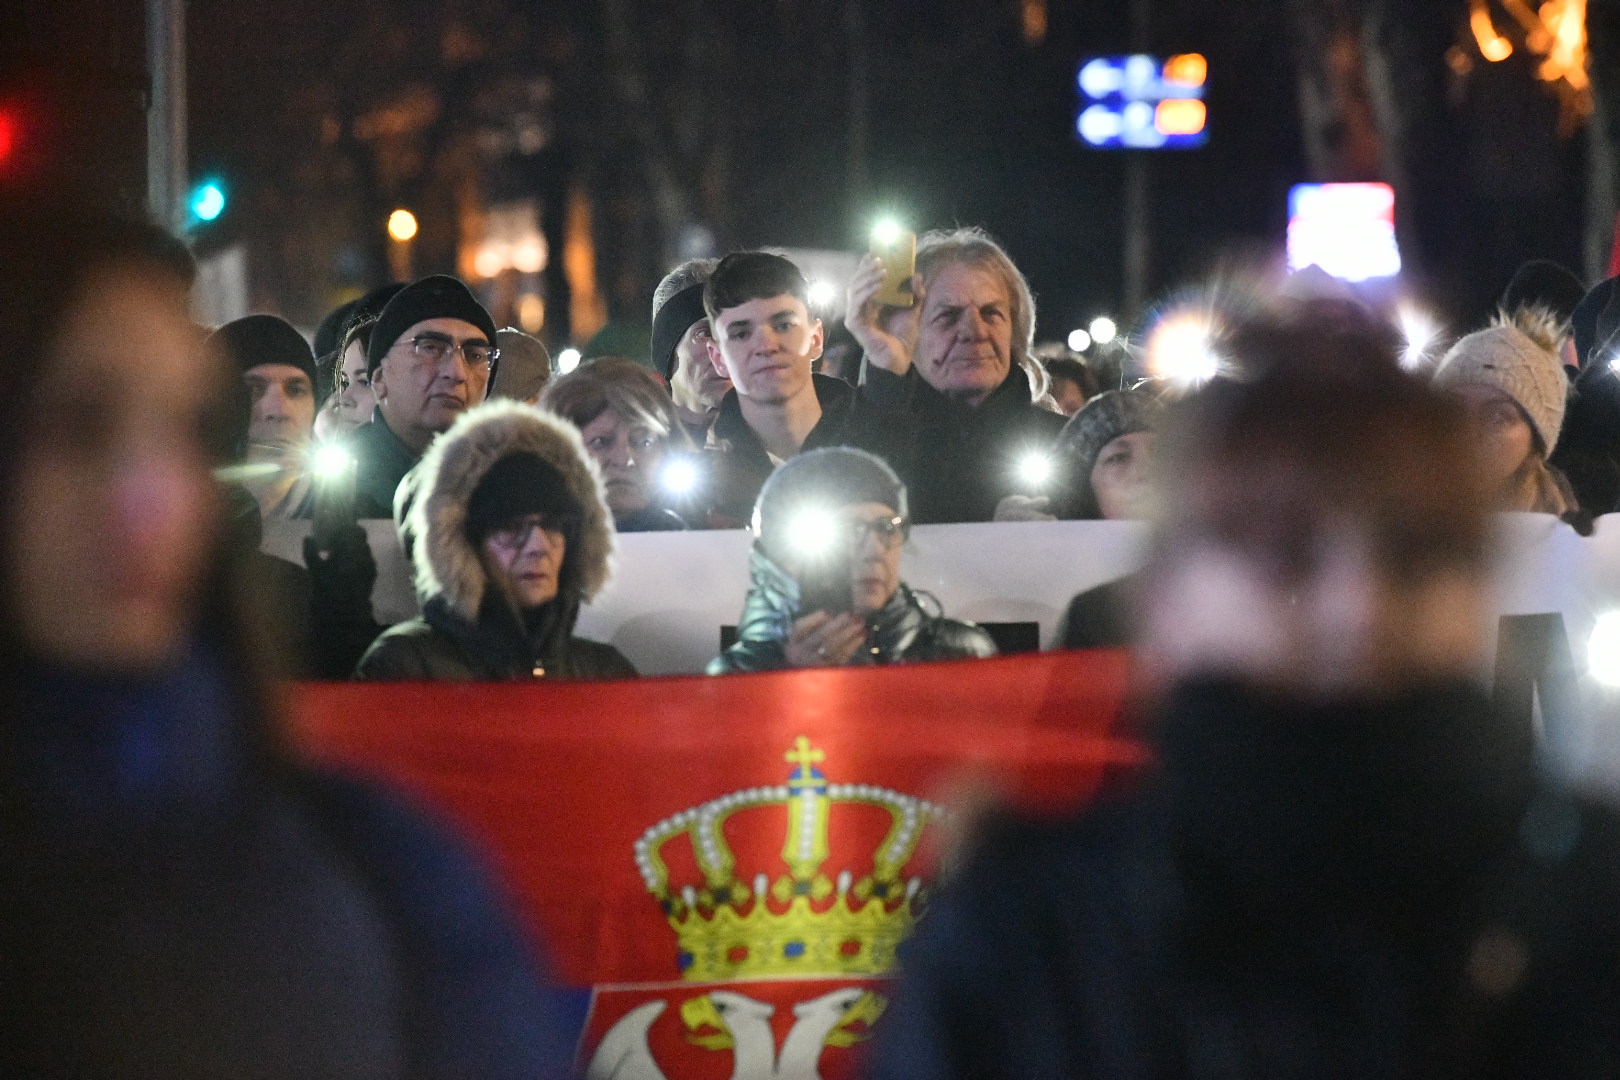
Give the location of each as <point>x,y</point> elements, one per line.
<point>567,361</point>
<point>402,225</point>
<point>1079,341</point>
<point>1103,330</point>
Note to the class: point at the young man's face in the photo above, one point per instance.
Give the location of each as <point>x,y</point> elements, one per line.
<point>283,407</point>
<point>766,348</point>
<point>696,385</point>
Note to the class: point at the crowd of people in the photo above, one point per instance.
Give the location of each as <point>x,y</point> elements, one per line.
<point>1346,863</point>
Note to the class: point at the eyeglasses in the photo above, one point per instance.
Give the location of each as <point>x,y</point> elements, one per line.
<point>889,532</point>
<point>433,348</point>
<point>514,535</point>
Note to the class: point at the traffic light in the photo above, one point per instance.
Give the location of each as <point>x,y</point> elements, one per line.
<point>207,201</point>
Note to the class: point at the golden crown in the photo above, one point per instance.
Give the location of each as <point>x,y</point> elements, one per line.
<point>803,922</point>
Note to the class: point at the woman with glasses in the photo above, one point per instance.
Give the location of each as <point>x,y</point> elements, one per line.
<point>824,576</point>
<point>512,535</point>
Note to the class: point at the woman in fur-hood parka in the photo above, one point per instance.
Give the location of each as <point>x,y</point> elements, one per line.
<point>501,463</point>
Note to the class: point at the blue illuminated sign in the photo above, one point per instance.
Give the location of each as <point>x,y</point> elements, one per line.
<point>1143,103</point>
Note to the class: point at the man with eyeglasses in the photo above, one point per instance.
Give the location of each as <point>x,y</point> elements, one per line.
<point>824,576</point>
<point>430,359</point>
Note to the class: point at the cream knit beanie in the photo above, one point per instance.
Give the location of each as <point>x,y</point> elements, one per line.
<point>1518,355</point>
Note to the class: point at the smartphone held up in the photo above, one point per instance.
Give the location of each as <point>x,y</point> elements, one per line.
<point>896,249</point>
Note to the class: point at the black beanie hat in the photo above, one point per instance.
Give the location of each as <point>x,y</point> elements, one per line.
<point>1544,283</point>
<point>833,477</point>
<point>518,484</point>
<point>437,297</point>
<point>263,339</point>
<point>671,323</point>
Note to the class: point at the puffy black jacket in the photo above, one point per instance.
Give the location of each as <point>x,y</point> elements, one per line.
<point>440,644</point>
<point>902,633</point>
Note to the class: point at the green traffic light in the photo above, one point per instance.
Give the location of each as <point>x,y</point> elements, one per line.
<point>207,202</point>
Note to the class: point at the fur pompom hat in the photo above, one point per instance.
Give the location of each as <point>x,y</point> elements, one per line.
<point>1517,355</point>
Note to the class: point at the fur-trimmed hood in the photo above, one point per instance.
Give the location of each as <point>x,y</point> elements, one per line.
<point>447,564</point>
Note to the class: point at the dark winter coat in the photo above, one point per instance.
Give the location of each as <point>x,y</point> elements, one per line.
<point>902,633</point>
<point>964,458</point>
<point>381,461</point>
<point>467,629</point>
<point>170,908</point>
<point>1141,941</point>
<point>739,464</point>
<point>441,645</point>
<point>1099,618</point>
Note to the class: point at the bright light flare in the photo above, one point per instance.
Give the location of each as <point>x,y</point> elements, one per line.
<point>1181,350</point>
<point>1420,331</point>
<point>822,293</point>
<point>1035,469</point>
<point>567,361</point>
<point>332,462</point>
<point>680,476</point>
<point>813,533</point>
<point>1079,341</point>
<point>1603,649</point>
<point>402,225</point>
<point>1103,330</point>
<point>886,232</point>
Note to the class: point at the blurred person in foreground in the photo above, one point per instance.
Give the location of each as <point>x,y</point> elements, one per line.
<point>511,535</point>
<point>680,347</point>
<point>630,430</point>
<point>1343,865</point>
<point>430,357</point>
<point>278,373</point>
<point>1510,380</point>
<point>181,897</point>
<point>959,361</point>
<point>824,576</point>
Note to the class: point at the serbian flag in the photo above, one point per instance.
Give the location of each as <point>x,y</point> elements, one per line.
<point>721,869</point>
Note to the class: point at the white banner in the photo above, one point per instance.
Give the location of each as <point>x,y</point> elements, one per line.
<point>672,592</point>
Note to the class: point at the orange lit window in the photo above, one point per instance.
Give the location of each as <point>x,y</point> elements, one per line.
<point>1179,116</point>
<point>1188,69</point>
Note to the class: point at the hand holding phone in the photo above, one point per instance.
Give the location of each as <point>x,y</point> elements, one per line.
<point>896,249</point>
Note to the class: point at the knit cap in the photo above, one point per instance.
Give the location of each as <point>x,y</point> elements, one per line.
<point>263,339</point>
<point>437,297</point>
<point>1517,355</point>
<point>1099,422</point>
<point>830,478</point>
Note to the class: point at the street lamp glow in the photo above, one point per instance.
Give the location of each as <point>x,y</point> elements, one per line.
<point>1079,341</point>
<point>208,202</point>
<point>567,361</point>
<point>1103,330</point>
<point>402,225</point>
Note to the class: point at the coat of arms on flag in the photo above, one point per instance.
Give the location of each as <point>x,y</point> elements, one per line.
<point>787,903</point>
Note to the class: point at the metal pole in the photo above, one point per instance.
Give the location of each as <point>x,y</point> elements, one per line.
<point>857,178</point>
<point>166,172</point>
<point>1138,234</point>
